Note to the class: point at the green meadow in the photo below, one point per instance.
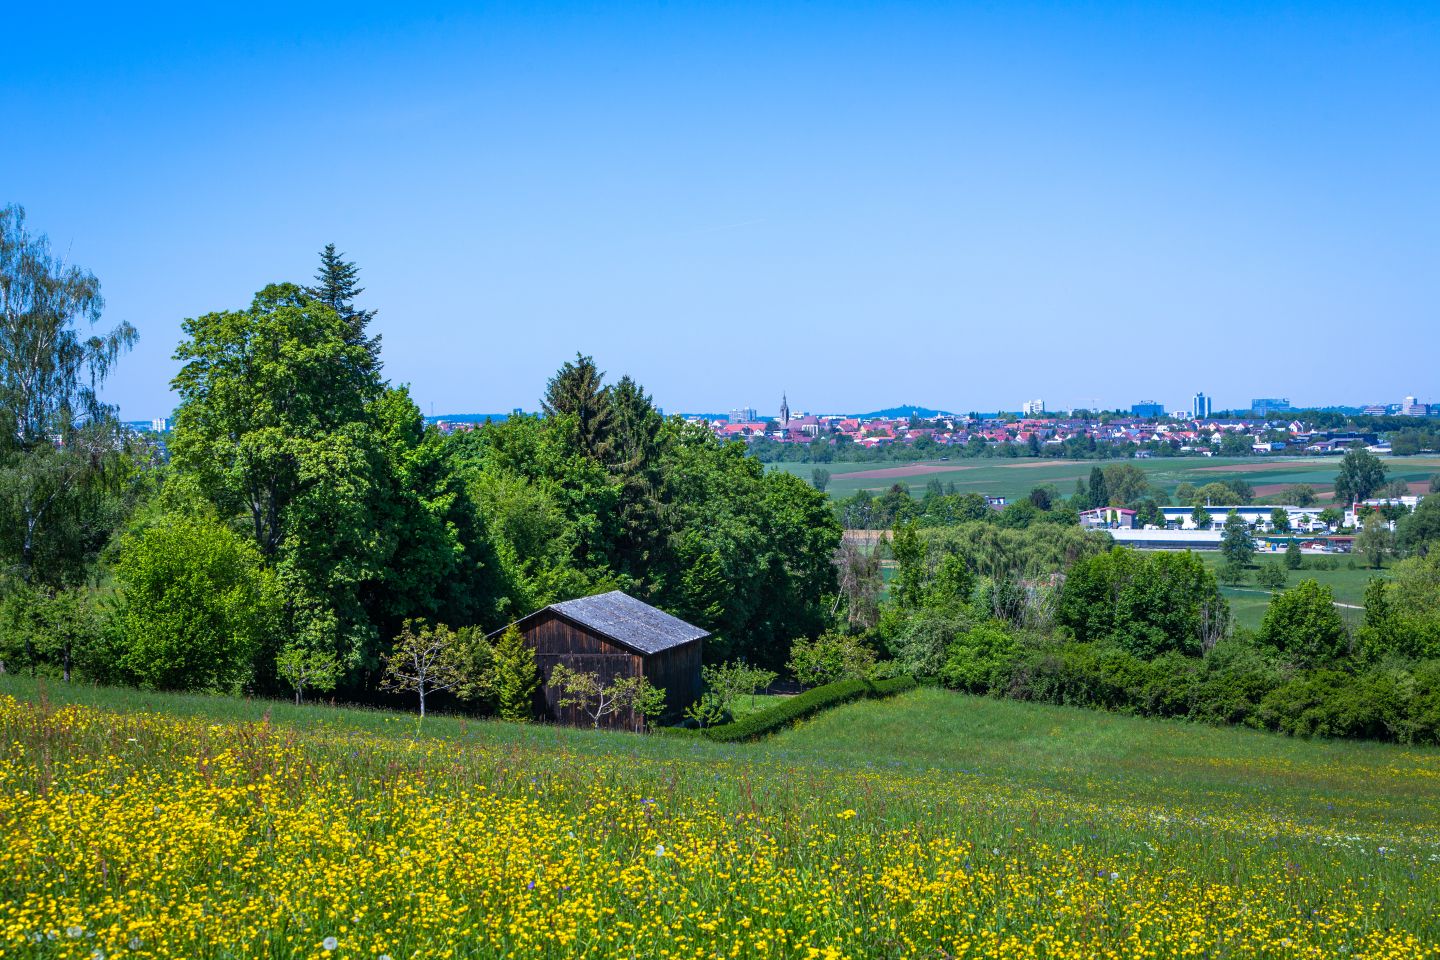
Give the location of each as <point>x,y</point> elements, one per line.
<point>931,824</point>
<point>1016,478</point>
<point>1248,601</point>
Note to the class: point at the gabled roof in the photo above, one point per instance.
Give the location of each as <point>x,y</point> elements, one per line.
<point>627,621</point>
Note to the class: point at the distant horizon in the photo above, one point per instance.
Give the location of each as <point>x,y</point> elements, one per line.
<point>1092,204</point>
<point>479,415</point>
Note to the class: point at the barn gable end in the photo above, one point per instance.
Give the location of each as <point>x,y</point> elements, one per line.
<point>615,635</point>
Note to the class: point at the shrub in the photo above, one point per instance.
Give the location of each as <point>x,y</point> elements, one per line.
<point>1303,625</point>
<point>1230,684</point>
<point>1271,575</point>
<point>829,658</point>
<point>1069,674</point>
<point>1331,703</point>
<point>195,605</point>
<point>921,649</point>
<point>802,705</point>
<point>978,661</point>
<point>1421,723</point>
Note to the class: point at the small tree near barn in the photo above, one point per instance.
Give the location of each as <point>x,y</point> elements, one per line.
<point>725,684</point>
<point>597,700</point>
<point>437,659</point>
<point>516,677</point>
<point>301,668</point>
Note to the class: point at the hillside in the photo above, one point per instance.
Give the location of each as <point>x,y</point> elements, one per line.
<point>931,824</point>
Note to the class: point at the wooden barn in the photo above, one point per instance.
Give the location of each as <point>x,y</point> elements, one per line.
<point>615,635</point>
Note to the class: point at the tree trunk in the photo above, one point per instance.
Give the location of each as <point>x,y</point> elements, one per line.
<point>422,703</point>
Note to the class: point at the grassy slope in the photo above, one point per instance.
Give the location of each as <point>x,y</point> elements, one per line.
<point>1238,834</point>
<point>1080,752</point>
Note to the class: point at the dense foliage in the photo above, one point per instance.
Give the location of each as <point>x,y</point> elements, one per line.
<point>307,514</point>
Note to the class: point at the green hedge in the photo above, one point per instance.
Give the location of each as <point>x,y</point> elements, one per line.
<point>802,705</point>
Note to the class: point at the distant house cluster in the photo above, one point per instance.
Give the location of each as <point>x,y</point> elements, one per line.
<point>1147,430</point>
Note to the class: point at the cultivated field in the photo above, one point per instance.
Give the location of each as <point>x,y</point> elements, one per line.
<point>1016,478</point>
<point>930,825</point>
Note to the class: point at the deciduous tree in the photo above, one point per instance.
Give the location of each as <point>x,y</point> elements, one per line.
<point>596,699</point>
<point>302,669</point>
<point>1303,624</point>
<point>1361,474</point>
<point>429,659</point>
<point>59,443</point>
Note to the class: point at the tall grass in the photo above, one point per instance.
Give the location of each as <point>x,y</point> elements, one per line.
<point>933,824</point>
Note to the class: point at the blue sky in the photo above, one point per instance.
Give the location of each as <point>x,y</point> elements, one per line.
<point>962,206</point>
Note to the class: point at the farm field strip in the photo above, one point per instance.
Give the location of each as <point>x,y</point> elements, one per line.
<point>1015,478</point>
<point>934,824</point>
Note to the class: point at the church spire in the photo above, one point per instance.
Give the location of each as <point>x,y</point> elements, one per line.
<point>784,411</point>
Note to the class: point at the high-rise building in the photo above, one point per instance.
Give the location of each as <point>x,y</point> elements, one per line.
<point>743,415</point>
<point>1150,410</point>
<point>1200,406</point>
<point>1414,408</point>
<point>1033,408</point>
<point>1264,406</point>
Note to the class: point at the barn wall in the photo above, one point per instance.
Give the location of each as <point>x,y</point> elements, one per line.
<point>558,641</point>
<point>677,670</point>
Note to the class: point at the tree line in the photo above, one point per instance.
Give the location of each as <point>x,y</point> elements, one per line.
<point>306,518</point>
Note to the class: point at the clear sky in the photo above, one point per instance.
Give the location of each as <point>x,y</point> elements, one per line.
<point>961,206</point>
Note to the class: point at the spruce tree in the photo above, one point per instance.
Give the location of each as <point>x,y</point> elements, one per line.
<point>578,389</point>
<point>337,284</point>
<point>635,463</point>
<point>516,677</point>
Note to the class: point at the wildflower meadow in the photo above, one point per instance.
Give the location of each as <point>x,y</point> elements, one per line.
<point>930,825</point>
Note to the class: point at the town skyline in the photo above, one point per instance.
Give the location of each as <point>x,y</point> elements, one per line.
<point>965,206</point>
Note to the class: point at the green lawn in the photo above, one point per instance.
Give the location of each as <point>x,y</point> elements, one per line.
<point>1015,478</point>
<point>1249,601</point>
<point>930,824</point>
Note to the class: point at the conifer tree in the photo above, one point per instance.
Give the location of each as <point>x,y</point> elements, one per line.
<point>516,677</point>
<point>337,284</point>
<point>578,389</point>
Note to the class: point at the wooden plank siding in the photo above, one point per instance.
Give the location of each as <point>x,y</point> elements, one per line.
<point>557,640</point>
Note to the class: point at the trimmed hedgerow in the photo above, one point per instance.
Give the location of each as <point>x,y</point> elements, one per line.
<point>802,705</point>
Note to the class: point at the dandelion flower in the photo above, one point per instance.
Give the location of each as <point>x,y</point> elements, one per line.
<point>329,943</point>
